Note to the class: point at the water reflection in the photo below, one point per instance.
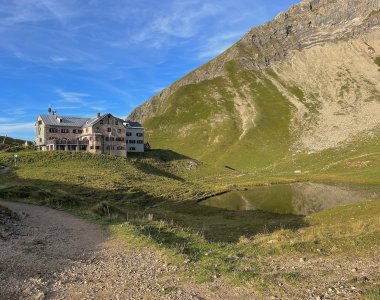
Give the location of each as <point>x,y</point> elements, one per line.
<point>297,198</point>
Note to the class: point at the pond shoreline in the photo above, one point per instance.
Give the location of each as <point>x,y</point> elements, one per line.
<point>297,198</point>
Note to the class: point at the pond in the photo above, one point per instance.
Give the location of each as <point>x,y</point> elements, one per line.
<point>296,198</point>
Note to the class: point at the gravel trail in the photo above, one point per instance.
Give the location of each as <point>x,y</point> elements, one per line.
<point>49,254</point>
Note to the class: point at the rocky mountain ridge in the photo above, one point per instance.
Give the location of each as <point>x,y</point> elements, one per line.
<point>319,56</point>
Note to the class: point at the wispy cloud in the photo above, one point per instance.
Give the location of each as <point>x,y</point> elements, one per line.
<point>20,130</point>
<point>32,11</point>
<point>67,107</point>
<point>72,97</point>
<point>10,128</point>
<point>218,44</point>
<point>182,21</point>
<point>18,111</point>
<point>58,59</point>
<point>6,120</point>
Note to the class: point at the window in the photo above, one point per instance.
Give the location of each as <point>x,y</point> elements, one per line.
<point>120,148</point>
<point>97,129</point>
<point>64,130</point>
<point>120,139</point>
<point>116,122</point>
<point>101,122</point>
<point>80,131</point>
<point>139,134</point>
<point>91,147</point>
<point>132,148</point>
<point>109,130</point>
<point>140,142</point>
<point>90,138</point>
<point>132,141</point>
<point>40,140</point>
<point>74,131</point>
<point>97,147</point>
<point>129,133</point>
<point>53,130</point>
<point>86,130</point>
<point>39,122</point>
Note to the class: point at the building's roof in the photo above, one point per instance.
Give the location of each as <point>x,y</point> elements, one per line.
<point>91,122</point>
<point>66,121</point>
<point>72,121</point>
<point>132,124</point>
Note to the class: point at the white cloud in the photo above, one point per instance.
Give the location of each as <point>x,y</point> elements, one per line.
<point>16,127</point>
<point>218,44</point>
<point>18,130</point>
<point>67,107</point>
<point>5,120</point>
<point>183,21</point>
<point>32,11</point>
<point>58,59</point>
<point>72,97</point>
<point>16,111</point>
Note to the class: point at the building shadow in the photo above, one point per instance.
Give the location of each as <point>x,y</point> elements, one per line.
<point>164,155</point>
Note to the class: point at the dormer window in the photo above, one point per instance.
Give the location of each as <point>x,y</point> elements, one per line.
<point>101,122</point>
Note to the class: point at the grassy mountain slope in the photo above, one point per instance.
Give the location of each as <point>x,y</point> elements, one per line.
<point>307,81</point>
<point>11,144</point>
<point>211,130</point>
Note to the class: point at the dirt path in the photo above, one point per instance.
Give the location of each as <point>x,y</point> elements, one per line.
<point>48,254</point>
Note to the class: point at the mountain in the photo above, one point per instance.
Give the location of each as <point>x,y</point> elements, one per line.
<point>11,144</point>
<point>307,81</point>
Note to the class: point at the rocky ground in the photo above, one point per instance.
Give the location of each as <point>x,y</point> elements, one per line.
<point>48,254</point>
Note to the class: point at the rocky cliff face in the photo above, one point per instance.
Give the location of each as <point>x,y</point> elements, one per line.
<point>319,57</point>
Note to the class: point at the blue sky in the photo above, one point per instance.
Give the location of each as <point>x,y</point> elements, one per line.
<point>87,56</point>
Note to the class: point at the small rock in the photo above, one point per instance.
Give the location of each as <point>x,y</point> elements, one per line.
<point>354,270</point>
<point>40,296</point>
<point>302,259</point>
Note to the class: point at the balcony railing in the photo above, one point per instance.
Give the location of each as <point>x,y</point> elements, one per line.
<point>67,142</point>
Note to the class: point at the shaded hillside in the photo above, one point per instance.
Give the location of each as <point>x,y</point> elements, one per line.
<point>307,81</point>
<point>7,144</point>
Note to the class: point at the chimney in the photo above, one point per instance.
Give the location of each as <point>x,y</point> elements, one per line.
<point>98,115</point>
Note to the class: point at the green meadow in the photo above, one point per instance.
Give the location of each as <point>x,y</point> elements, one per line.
<point>152,199</point>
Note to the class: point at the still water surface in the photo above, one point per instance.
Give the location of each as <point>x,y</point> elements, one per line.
<point>296,198</point>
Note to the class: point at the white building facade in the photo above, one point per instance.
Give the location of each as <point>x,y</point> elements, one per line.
<point>134,136</point>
